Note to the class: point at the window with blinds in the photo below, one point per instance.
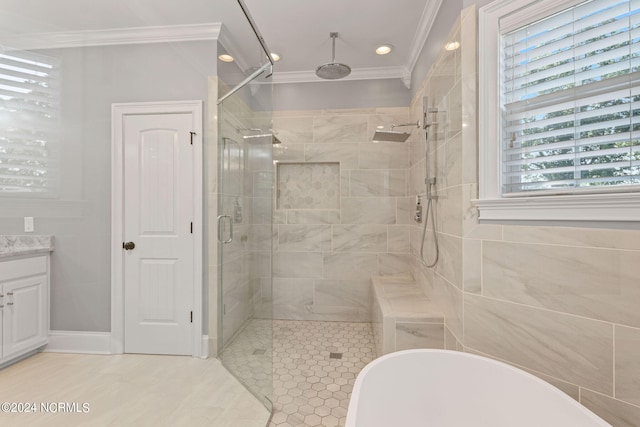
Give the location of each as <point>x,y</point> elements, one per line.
<point>29,123</point>
<point>570,86</point>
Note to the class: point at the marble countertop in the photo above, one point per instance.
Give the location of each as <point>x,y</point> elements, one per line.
<point>17,245</point>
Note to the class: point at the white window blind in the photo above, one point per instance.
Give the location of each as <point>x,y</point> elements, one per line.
<point>29,123</point>
<point>571,101</point>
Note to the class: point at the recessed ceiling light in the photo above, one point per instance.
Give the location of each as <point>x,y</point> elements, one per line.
<point>452,46</point>
<point>379,127</point>
<point>225,58</point>
<point>275,57</point>
<point>384,49</point>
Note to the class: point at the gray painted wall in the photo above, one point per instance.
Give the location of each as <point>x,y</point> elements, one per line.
<point>340,94</point>
<point>93,79</point>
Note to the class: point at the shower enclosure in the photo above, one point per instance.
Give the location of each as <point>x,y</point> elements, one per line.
<point>242,226</point>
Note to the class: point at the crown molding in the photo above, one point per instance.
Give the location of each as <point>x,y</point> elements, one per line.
<point>117,36</point>
<point>427,19</point>
<point>372,73</point>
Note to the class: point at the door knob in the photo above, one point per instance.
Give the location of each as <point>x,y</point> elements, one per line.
<point>128,246</point>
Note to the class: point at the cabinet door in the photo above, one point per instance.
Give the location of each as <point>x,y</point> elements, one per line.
<point>24,315</point>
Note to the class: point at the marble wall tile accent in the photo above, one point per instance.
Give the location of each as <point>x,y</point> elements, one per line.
<point>308,186</point>
<point>597,283</point>
<point>484,231</point>
<point>472,265</point>
<point>449,210</point>
<point>279,217</point>
<point>570,348</point>
<point>335,128</point>
<point>373,183</point>
<point>450,262</point>
<point>450,341</point>
<point>454,112</point>
<point>287,152</point>
<point>309,238</point>
<point>368,210</point>
<point>261,236</point>
<point>297,264</point>
<point>345,184</point>
<point>392,264</point>
<point>345,153</point>
<point>348,266</point>
<point>628,364</point>
<point>613,411</point>
<point>292,291</point>
<point>293,130</point>
<point>469,211</point>
<point>384,155</point>
<point>405,210</point>
<point>416,178</point>
<point>262,184</point>
<point>419,335</point>
<point>398,238</point>
<point>452,167</point>
<point>295,113</point>
<point>450,300</point>
<point>342,293</point>
<point>360,238</point>
<point>589,237</point>
<point>335,313</point>
<point>393,111</point>
<point>570,389</point>
<point>313,216</point>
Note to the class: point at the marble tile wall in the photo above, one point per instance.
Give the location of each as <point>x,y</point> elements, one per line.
<point>559,302</point>
<point>324,254</point>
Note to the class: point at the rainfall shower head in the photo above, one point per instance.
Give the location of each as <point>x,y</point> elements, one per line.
<point>333,70</point>
<point>393,136</point>
<point>390,136</point>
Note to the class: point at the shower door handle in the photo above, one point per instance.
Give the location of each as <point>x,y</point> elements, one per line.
<point>221,229</point>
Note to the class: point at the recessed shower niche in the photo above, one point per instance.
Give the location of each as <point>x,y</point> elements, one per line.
<point>308,185</point>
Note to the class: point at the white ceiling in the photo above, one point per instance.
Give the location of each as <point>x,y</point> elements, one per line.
<point>298,30</point>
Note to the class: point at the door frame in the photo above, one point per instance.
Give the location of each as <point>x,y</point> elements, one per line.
<point>118,112</point>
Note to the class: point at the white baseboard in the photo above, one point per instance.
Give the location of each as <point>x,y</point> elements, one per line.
<point>79,342</point>
<point>210,345</point>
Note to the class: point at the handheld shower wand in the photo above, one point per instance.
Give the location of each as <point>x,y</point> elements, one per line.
<point>430,182</point>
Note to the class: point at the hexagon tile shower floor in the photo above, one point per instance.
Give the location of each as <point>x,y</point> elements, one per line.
<point>314,367</point>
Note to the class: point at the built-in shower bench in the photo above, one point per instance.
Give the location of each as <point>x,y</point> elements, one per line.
<point>402,316</point>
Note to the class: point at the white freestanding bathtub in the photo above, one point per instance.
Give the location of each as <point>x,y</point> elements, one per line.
<point>440,388</point>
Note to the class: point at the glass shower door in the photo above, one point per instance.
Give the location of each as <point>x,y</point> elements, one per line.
<point>244,236</point>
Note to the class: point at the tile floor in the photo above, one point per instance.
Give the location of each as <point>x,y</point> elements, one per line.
<point>310,387</point>
<point>128,390</point>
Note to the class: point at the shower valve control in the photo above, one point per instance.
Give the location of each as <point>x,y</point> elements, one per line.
<point>418,216</point>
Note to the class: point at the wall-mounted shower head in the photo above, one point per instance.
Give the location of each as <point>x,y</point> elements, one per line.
<point>394,136</point>
<point>390,136</point>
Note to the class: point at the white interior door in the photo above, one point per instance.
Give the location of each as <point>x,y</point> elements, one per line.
<point>158,211</point>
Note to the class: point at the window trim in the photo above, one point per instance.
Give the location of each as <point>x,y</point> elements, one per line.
<point>492,206</point>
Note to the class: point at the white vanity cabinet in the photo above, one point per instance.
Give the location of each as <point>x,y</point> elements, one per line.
<point>24,305</point>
